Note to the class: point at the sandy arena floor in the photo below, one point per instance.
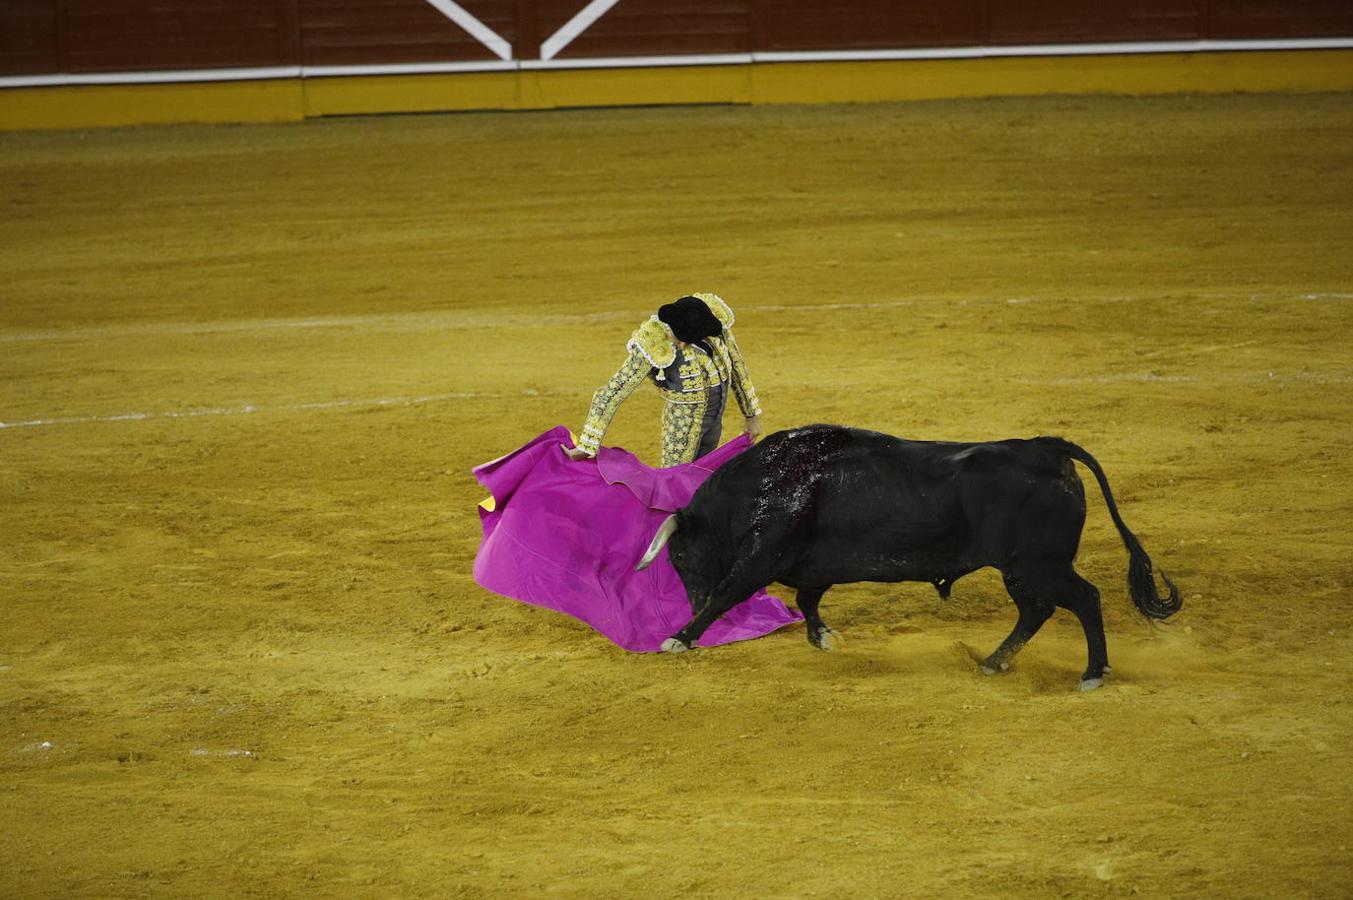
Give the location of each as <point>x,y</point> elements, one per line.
<point>244,374</point>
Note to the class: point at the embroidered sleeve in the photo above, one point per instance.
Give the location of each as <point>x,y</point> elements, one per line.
<point>742,383</point>
<point>608,398</point>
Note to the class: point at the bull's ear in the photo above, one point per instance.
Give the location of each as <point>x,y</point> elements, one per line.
<point>665,532</point>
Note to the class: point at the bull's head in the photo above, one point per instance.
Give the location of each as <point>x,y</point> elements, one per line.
<point>693,552</point>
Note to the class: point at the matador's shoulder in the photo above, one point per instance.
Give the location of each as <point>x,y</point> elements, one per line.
<point>654,341</point>
<point>722,311</point>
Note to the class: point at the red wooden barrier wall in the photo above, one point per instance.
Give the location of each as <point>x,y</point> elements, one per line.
<point>94,36</point>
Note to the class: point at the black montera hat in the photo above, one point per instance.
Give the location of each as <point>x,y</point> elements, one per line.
<point>690,319</point>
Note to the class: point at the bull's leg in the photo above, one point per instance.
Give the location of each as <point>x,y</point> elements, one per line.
<point>1082,598</point>
<point>1034,610</point>
<point>819,635</point>
<point>685,638</point>
<point>737,586</point>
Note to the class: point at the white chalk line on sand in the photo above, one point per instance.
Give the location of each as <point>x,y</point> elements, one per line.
<point>445,321</point>
<point>247,409</point>
<point>468,319</point>
<point>250,409</point>
<point>424,321</point>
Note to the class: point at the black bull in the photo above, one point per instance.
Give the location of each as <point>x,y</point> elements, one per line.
<point>824,505</point>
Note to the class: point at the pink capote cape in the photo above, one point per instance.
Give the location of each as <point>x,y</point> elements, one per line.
<point>567,535</point>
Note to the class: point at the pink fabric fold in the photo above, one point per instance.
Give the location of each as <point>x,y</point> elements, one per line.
<point>567,535</point>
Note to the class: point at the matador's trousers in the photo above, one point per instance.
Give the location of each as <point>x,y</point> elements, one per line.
<point>690,430</point>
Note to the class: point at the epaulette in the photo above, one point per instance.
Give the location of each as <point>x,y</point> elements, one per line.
<point>721,310</point>
<point>654,341</point>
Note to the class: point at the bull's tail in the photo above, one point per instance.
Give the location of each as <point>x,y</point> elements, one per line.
<point>1141,573</point>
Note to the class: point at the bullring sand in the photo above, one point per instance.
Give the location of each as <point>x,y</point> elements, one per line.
<point>244,374</point>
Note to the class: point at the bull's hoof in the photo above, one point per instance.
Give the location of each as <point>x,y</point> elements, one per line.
<point>1089,684</point>
<point>826,639</point>
<point>672,645</point>
<point>989,668</point>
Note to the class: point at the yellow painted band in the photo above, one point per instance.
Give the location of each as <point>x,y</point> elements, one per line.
<point>796,82</point>
<point>1141,73</point>
<point>357,95</point>
<point>94,106</point>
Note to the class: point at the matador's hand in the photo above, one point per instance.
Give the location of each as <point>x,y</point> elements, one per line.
<point>575,454</point>
<point>753,427</point>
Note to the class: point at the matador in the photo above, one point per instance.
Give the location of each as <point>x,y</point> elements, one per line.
<point>689,353</point>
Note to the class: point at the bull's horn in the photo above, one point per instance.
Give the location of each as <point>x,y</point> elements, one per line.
<point>665,531</point>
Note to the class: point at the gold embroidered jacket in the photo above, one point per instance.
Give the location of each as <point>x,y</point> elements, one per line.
<point>683,377</point>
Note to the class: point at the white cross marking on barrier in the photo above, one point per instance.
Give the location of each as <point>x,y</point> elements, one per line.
<point>477,29</point>
<point>574,27</point>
